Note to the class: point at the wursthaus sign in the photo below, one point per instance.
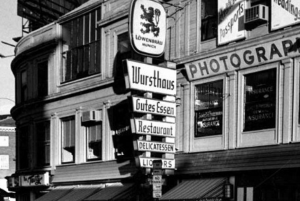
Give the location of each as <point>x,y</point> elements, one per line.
<point>244,58</point>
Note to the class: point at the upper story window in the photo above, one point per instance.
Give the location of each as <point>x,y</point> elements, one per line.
<point>209,109</point>
<point>43,143</point>
<point>24,87</point>
<point>260,100</point>
<point>94,141</point>
<point>42,68</point>
<point>68,140</point>
<point>209,19</point>
<point>82,47</point>
<point>24,147</point>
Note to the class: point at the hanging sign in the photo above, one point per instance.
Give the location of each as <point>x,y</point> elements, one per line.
<point>151,146</point>
<point>284,13</point>
<point>147,26</point>
<point>158,128</point>
<point>151,78</point>
<point>231,21</point>
<point>148,163</point>
<point>151,106</point>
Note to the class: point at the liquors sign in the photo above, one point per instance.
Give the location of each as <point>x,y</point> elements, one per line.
<point>147,27</point>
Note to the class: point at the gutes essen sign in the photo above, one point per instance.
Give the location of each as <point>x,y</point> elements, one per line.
<point>244,58</point>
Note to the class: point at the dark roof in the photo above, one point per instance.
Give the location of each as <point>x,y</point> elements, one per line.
<point>7,121</point>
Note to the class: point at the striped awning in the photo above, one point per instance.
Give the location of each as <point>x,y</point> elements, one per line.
<point>80,193</point>
<point>197,189</point>
<point>121,192</point>
<point>55,194</point>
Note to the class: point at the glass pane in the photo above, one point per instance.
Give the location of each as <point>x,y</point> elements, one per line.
<point>94,142</point>
<point>209,19</point>
<point>68,144</point>
<point>260,100</point>
<point>209,109</point>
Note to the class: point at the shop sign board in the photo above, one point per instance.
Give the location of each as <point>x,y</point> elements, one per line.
<point>34,179</point>
<point>243,58</point>
<point>147,27</point>
<point>150,78</point>
<point>231,21</point>
<point>151,106</point>
<point>157,187</point>
<point>284,13</point>
<point>157,194</point>
<point>148,163</point>
<point>158,128</point>
<point>152,146</point>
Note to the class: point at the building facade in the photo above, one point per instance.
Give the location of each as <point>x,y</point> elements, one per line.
<point>237,115</point>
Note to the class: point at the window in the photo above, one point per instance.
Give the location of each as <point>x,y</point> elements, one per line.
<point>42,68</point>
<point>82,47</point>
<point>43,143</point>
<point>24,147</point>
<point>24,85</point>
<point>209,109</point>
<point>94,141</point>
<point>260,100</point>
<point>68,140</point>
<point>209,19</point>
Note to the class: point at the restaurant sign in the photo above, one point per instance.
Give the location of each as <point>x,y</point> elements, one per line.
<point>284,13</point>
<point>151,106</point>
<point>231,21</point>
<point>152,146</point>
<point>157,128</point>
<point>244,58</point>
<point>147,26</point>
<point>150,78</point>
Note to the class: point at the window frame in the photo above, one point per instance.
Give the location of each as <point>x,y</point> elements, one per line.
<point>44,83</point>
<point>24,155</point>
<point>45,142</point>
<point>87,127</point>
<point>214,142</point>
<point>63,120</point>
<point>257,137</point>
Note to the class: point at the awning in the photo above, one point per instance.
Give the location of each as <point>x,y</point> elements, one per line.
<point>70,193</point>
<point>79,193</point>
<point>121,192</point>
<point>55,194</point>
<point>212,188</point>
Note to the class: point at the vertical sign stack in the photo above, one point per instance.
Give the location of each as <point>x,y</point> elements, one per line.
<point>153,107</point>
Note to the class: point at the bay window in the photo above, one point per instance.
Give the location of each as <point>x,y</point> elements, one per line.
<point>43,143</point>
<point>209,109</point>
<point>24,147</point>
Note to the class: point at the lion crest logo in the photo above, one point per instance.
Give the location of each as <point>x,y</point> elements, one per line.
<point>151,18</point>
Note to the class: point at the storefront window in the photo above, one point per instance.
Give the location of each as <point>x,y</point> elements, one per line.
<point>209,109</point>
<point>260,100</point>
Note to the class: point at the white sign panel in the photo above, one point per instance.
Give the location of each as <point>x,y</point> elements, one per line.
<point>35,179</point>
<point>4,141</point>
<point>157,194</point>
<point>284,13</point>
<point>147,26</point>
<point>158,128</point>
<point>155,146</point>
<point>146,77</point>
<point>151,106</point>
<point>4,162</point>
<point>231,21</point>
<point>148,163</point>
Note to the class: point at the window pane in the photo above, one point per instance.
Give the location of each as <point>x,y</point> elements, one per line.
<point>209,109</point>
<point>94,142</point>
<point>209,19</point>
<point>260,100</point>
<point>24,147</point>
<point>43,143</point>
<point>24,85</point>
<point>43,78</point>
<point>68,140</point>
